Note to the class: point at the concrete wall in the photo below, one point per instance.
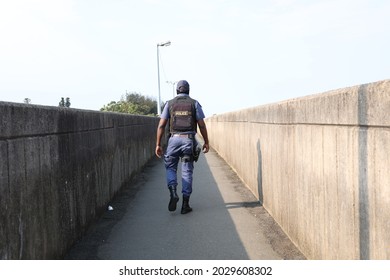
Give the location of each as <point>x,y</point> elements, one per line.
<point>320,165</point>
<point>58,170</point>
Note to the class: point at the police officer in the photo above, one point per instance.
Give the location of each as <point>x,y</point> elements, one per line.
<point>184,115</point>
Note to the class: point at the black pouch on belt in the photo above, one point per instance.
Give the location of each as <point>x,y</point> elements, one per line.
<point>196,152</point>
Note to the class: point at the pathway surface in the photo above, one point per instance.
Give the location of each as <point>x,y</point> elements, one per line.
<point>227,221</point>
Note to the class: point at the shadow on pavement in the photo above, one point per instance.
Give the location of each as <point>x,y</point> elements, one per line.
<point>140,227</point>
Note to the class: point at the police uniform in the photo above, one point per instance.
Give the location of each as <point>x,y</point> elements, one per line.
<point>182,114</point>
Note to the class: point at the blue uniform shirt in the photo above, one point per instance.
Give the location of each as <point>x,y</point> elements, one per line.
<point>198,109</point>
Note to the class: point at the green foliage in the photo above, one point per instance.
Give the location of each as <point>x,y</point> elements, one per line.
<point>64,103</point>
<point>133,103</point>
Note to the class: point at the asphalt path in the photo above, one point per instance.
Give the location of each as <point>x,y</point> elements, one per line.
<point>227,221</point>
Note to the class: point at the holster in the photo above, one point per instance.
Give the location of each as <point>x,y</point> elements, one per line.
<point>196,151</point>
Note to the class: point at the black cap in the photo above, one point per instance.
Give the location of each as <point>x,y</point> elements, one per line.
<point>183,86</point>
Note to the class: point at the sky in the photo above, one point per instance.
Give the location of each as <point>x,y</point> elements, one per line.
<point>235,54</point>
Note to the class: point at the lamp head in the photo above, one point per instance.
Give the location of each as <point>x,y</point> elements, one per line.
<point>165,44</point>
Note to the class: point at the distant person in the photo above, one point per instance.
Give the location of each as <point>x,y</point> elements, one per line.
<point>184,114</point>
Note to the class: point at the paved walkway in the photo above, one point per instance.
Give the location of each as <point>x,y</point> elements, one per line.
<point>227,222</point>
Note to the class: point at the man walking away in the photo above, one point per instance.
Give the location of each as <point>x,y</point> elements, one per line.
<point>184,115</point>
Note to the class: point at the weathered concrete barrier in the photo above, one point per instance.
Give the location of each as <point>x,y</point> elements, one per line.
<point>58,170</point>
<point>320,165</point>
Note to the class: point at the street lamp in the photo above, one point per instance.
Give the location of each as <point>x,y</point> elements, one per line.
<point>165,44</point>
<point>173,86</point>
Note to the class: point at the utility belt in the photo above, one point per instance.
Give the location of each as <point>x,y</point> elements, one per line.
<point>196,149</point>
<point>185,135</point>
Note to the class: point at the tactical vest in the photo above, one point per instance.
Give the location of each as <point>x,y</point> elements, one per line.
<point>182,114</point>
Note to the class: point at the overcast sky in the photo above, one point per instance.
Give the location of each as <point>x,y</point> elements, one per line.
<point>235,54</point>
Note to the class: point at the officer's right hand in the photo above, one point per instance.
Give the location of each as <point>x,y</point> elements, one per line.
<point>159,151</point>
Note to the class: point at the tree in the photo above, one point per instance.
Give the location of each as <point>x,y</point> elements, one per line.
<point>133,103</point>
<point>64,103</point>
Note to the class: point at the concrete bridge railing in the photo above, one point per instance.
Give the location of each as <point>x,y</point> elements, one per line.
<point>58,170</point>
<point>320,165</point>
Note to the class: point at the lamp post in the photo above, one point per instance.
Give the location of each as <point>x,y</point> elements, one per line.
<point>165,44</point>
<point>173,86</point>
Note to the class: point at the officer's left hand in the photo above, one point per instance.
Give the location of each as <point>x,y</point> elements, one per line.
<point>205,148</point>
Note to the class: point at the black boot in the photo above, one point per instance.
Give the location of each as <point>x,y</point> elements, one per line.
<point>174,198</point>
<point>186,206</point>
